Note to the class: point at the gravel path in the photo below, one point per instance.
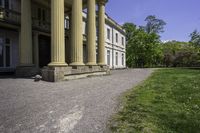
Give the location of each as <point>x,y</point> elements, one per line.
<point>77,106</point>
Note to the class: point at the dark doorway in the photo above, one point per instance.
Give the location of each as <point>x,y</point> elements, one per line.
<point>44,50</point>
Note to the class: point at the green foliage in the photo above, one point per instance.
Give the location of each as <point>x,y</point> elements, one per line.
<point>168,102</point>
<point>143,49</point>
<point>180,54</point>
<point>195,38</point>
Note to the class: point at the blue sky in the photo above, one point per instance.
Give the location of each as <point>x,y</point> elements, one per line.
<point>181,16</point>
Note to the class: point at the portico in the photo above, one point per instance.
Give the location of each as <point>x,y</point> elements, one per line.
<point>58,69</point>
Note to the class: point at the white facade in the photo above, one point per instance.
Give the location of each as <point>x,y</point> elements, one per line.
<point>115,43</point>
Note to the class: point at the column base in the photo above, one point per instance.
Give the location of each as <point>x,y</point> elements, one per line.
<point>77,64</point>
<point>26,71</point>
<point>91,64</point>
<point>57,64</point>
<point>102,64</point>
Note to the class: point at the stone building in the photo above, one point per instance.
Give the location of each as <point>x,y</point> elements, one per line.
<point>61,39</point>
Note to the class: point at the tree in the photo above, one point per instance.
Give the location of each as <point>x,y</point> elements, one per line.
<point>154,25</point>
<point>195,38</point>
<point>180,54</point>
<point>130,30</point>
<point>143,50</point>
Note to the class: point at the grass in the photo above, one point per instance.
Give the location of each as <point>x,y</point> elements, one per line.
<point>167,102</point>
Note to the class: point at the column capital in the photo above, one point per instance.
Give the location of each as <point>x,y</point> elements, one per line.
<point>102,2</point>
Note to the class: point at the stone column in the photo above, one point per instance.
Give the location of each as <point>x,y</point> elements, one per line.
<point>91,32</point>
<point>77,34</point>
<point>101,36</point>
<point>57,34</point>
<point>26,53</point>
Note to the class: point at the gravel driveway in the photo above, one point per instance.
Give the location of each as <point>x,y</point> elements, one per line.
<point>77,106</point>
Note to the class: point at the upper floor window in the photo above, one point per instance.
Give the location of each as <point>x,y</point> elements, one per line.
<point>5,4</point>
<point>108,33</point>
<point>1,3</point>
<point>116,36</point>
<point>122,40</point>
<point>41,14</point>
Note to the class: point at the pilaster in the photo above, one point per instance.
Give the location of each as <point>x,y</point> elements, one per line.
<point>26,52</point>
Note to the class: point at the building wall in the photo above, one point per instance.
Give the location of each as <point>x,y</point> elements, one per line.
<point>111,45</point>
<point>115,46</point>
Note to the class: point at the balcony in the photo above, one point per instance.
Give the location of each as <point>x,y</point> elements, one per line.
<point>10,16</point>
<point>41,25</point>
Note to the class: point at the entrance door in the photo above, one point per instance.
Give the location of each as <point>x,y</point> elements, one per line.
<point>44,50</point>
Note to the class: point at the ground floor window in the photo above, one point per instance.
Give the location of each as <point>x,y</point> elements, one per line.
<point>5,52</point>
<point>116,58</point>
<point>108,57</point>
<point>122,59</point>
<point>1,53</point>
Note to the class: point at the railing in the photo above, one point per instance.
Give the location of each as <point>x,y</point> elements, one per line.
<point>9,16</point>
<point>14,17</point>
<point>41,25</point>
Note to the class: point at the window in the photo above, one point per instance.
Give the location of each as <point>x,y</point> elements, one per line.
<point>6,4</point>
<point>108,57</point>
<point>1,3</point>
<point>5,52</point>
<point>1,52</point>
<point>67,23</point>
<point>116,38</point>
<point>122,40</point>
<point>108,34</point>
<point>116,59</point>
<point>122,59</point>
<point>42,15</point>
<point>39,13</point>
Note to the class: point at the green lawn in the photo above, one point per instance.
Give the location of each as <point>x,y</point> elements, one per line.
<point>167,102</point>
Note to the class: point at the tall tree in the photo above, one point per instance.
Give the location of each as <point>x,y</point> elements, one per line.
<point>154,25</point>
<point>143,49</point>
<point>195,38</point>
